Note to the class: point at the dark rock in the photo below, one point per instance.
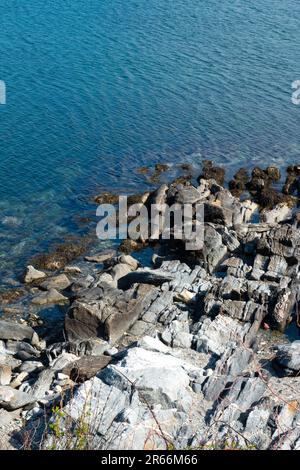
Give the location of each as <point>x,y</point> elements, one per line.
<point>212,172</point>
<point>86,367</point>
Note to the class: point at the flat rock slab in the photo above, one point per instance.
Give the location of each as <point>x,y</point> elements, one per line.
<point>86,367</point>
<point>15,331</point>
<point>60,282</point>
<point>49,297</point>
<point>11,399</point>
<point>101,257</point>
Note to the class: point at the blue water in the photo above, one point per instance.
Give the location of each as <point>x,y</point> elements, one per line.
<point>96,88</point>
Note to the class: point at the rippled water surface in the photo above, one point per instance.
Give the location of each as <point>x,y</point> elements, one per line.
<point>96,88</point>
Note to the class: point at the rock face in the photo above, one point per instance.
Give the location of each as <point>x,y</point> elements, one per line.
<point>172,356</point>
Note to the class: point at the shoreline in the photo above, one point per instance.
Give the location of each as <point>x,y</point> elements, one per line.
<point>193,337</point>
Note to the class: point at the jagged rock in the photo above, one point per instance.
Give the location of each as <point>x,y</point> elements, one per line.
<point>233,363</point>
<point>214,250</point>
<point>244,311</point>
<point>213,172</point>
<point>42,384</point>
<point>159,378</point>
<point>5,374</point>
<point>101,257</point>
<point>288,358</point>
<point>214,335</point>
<point>278,214</point>
<point>283,308</point>
<point>33,274</point>
<point>109,314</point>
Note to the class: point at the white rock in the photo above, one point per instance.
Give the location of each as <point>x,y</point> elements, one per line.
<point>33,274</point>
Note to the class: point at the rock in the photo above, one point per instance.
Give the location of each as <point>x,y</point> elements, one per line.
<point>119,271</point>
<point>33,274</point>
<point>11,399</point>
<point>72,269</point>
<point>42,384</point>
<point>49,297</point>
<point>213,172</point>
<point>31,367</point>
<point>109,314</point>
<point>187,195</point>
<point>283,309</point>
<point>278,214</point>
<point>5,374</point>
<point>288,358</point>
<point>101,257</point>
<point>15,331</point>
<point>19,379</point>
<point>60,282</point>
<point>86,367</point>
<point>158,377</point>
<point>62,361</point>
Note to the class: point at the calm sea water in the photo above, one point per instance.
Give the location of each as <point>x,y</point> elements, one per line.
<point>96,88</point>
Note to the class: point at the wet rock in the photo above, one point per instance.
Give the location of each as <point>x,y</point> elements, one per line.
<point>15,331</point>
<point>107,198</point>
<point>128,246</point>
<point>51,296</point>
<point>60,282</point>
<point>239,182</point>
<point>101,257</point>
<point>33,274</point>
<point>11,295</point>
<point>61,256</point>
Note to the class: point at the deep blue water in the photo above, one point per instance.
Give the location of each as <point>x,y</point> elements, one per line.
<point>96,88</point>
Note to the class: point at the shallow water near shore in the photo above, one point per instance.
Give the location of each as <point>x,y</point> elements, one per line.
<point>96,89</point>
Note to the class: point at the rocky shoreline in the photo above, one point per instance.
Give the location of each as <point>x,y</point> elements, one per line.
<point>187,353</point>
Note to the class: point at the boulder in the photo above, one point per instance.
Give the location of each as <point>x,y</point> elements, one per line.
<point>288,358</point>
<point>33,274</point>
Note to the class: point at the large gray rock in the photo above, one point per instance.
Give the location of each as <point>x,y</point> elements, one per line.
<point>106,312</point>
<point>15,331</point>
<point>288,357</point>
